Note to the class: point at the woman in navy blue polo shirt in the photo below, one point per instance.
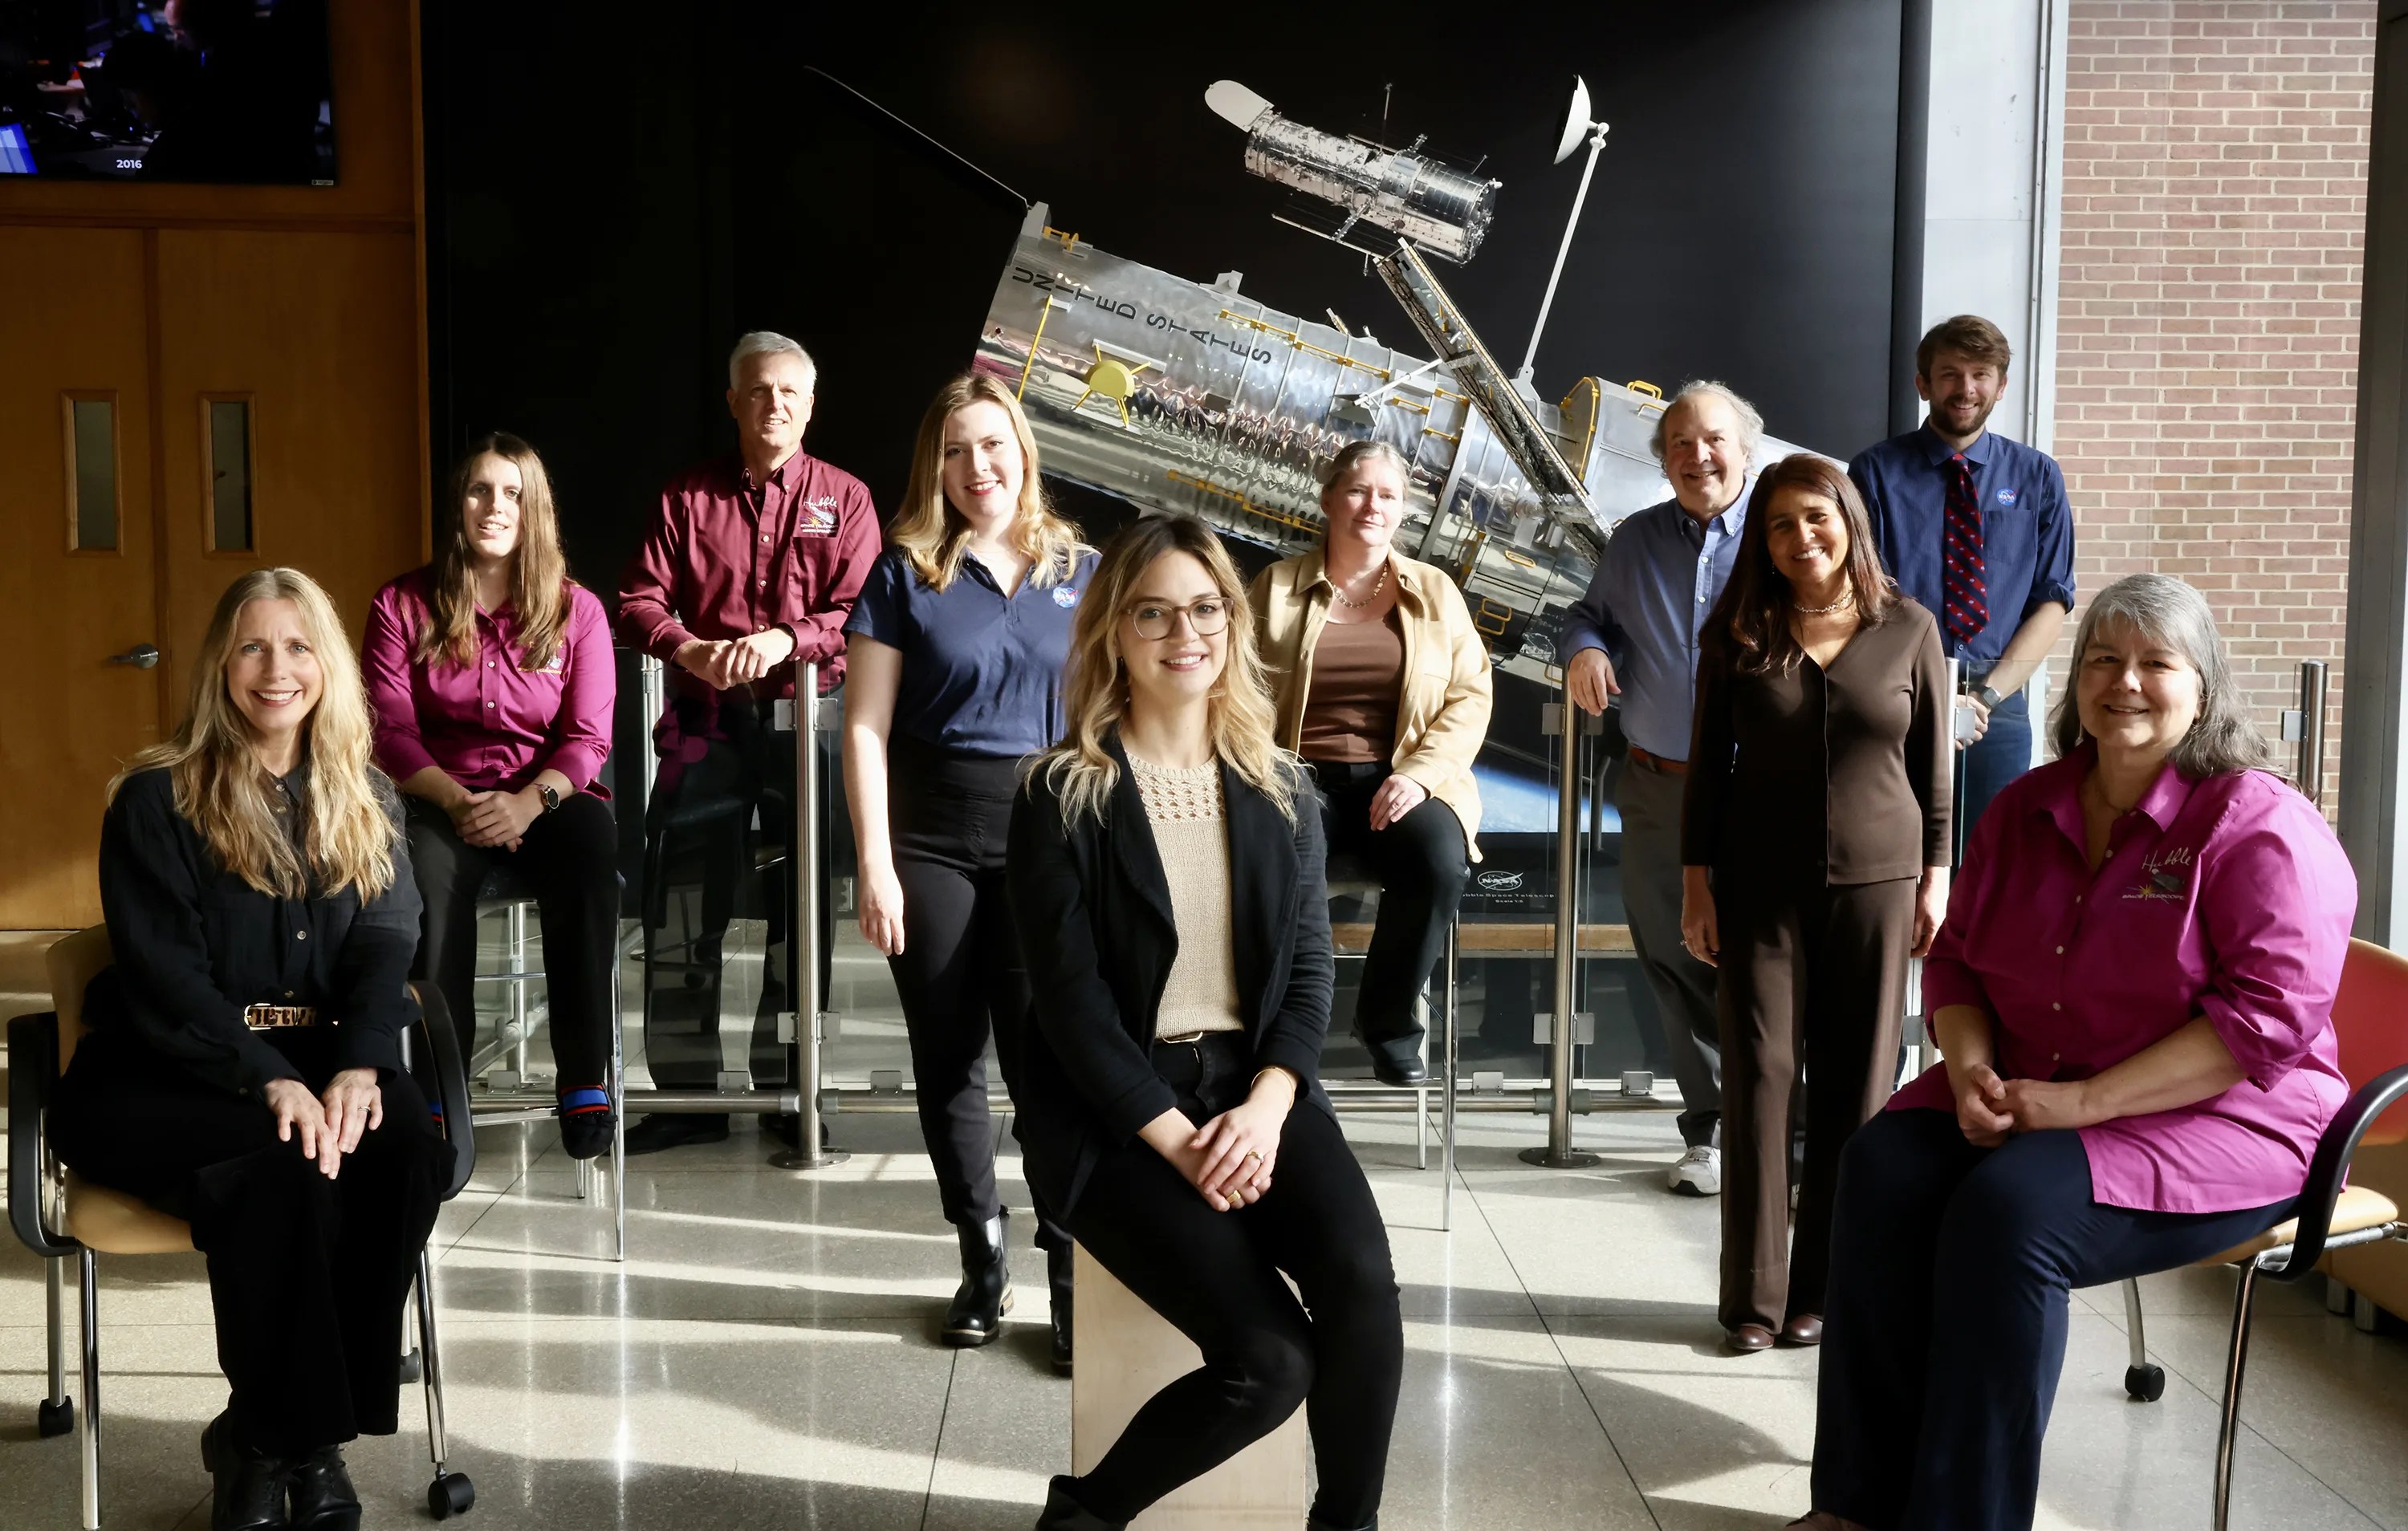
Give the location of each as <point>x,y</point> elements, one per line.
<point>958,642</point>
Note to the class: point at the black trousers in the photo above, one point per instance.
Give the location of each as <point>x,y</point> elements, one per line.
<point>959,975</point>
<point>570,857</point>
<point>1420,861</point>
<point>1946,1331</point>
<point>306,1274</point>
<point>1215,1277</point>
<point>701,855</point>
<point>1811,977</point>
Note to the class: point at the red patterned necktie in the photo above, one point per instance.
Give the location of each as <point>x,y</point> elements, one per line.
<point>1962,588</point>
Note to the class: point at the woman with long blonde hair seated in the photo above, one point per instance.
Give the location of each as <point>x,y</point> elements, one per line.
<point>244,1067</point>
<point>1166,871</point>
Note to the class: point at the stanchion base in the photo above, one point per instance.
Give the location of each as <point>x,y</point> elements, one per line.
<point>797,1159</point>
<point>1550,1159</point>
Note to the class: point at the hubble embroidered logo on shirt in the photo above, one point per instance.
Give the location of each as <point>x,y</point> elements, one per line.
<point>1064,597</point>
<point>2165,877</point>
<point>2006,499</point>
<point>817,517</point>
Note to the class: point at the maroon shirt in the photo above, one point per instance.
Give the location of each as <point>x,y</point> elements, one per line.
<point>726,558</point>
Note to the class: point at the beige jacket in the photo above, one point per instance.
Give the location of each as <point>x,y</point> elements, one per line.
<point>1442,718</point>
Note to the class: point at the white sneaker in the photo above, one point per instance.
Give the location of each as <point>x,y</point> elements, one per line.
<point>1699,1173</point>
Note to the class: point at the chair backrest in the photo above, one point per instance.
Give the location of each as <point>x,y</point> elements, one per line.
<point>74,963</point>
<point>2370,1017</point>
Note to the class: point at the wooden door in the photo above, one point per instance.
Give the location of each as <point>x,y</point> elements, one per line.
<point>290,361</point>
<point>77,557</point>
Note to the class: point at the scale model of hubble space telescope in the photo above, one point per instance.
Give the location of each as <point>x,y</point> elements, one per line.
<point>1179,396</point>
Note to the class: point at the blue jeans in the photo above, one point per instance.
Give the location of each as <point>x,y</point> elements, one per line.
<point>2000,756</point>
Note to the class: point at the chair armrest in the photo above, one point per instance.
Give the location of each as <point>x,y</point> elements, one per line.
<point>441,1066</point>
<point>2330,1167</point>
<point>33,1067</point>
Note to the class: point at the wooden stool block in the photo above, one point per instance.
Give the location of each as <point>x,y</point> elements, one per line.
<point>1127,1354</point>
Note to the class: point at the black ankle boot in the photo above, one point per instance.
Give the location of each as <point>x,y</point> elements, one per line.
<point>1064,1513</point>
<point>247,1490</point>
<point>1310,1524</point>
<point>976,1316</point>
<point>322,1497</point>
<point>1057,1276</point>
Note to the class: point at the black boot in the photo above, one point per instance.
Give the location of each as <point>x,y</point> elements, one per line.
<point>322,1497</point>
<point>976,1316</point>
<point>1057,1276</point>
<point>1064,1513</point>
<point>1312,1524</point>
<point>247,1490</point>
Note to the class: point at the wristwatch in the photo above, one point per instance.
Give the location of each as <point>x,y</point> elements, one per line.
<point>549,793</point>
<point>1989,698</point>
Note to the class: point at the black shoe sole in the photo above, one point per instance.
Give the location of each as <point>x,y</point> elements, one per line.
<point>971,1339</point>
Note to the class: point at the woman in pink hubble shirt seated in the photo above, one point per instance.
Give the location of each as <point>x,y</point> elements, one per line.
<point>492,680</point>
<point>2133,993</point>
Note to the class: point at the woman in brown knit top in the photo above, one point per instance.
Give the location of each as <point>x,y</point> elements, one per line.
<point>1165,874</point>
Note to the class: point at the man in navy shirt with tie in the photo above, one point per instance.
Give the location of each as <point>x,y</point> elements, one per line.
<point>1975,528</point>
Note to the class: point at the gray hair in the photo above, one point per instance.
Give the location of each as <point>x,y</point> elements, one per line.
<point>1751,424</point>
<point>768,343</point>
<point>2166,610</point>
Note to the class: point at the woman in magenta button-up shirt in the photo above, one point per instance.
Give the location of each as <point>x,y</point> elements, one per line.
<point>2134,992</point>
<point>492,680</point>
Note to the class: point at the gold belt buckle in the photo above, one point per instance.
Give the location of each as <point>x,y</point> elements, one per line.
<point>1189,1039</point>
<point>278,1017</point>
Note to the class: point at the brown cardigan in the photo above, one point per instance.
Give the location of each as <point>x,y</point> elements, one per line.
<point>1824,777</point>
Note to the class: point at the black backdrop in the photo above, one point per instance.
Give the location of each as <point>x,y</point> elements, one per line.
<point>610,204</point>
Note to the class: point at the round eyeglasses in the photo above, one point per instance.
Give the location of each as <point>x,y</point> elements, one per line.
<point>1155,619</point>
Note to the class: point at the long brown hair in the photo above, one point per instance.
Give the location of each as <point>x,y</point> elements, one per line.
<point>227,795</point>
<point>937,537</point>
<point>1095,692</point>
<point>1755,607</point>
<point>538,571</point>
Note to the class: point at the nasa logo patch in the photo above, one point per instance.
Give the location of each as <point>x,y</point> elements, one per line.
<point>1064,597</point>
<point>2006,499</point>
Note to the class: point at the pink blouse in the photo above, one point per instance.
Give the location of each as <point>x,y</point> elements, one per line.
<point>491,723</point>
<point>2227,898</point>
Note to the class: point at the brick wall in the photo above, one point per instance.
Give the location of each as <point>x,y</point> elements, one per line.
<point>2214,226</point>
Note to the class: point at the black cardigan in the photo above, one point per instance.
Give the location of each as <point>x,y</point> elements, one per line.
<point>1093,910</point>
<point>193,944</point>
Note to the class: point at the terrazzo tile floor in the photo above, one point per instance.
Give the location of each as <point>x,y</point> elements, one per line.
<point>766,1357</point>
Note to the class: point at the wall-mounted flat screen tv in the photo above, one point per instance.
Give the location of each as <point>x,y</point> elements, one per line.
<point>214,90</point>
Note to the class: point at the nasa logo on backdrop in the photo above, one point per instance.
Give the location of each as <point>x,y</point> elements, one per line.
<point>1501,882</point>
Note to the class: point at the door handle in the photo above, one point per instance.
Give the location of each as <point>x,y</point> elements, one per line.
<point>142,657</point>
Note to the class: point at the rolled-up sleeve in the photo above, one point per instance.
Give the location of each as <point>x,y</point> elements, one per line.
<point>388,672</point>
<point>1948,974</point>
<point>2275,899</point>
<point>588,689</point>
<point>2053,571</point>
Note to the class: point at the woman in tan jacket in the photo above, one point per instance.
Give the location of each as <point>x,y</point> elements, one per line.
<point>1381,685</point>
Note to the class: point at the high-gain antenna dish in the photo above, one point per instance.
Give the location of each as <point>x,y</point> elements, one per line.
<point>1576,123</point>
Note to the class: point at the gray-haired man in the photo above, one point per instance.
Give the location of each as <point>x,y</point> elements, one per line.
<point>1634,637</point>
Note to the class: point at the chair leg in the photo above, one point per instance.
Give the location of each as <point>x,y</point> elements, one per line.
<point>518,989</point>
<point>1446,1085</point>
<point>88,1435</point>
<point>2228,1426</point>
<point>57,1415</point>
<point>2143,1381</point>
<point>618,1105</point>
<point>447,1494</point>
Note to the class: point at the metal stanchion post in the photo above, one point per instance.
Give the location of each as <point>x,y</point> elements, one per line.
<point>807,1153</point>
<point>2311,730</point>
<point>1559,1153</point>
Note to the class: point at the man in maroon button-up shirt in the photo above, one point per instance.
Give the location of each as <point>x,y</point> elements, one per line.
<point>751,563</point>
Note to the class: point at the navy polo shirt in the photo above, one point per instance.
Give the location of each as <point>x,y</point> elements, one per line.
<point>982,670</point>
<point>2027,529</point>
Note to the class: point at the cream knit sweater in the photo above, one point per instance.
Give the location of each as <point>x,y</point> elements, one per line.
<point>1191,834</point>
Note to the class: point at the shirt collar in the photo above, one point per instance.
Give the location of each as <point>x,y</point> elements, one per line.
<point>1937,452</point>
<point>2163,802</point>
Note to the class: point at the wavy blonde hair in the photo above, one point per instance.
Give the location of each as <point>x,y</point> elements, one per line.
<point>228,796</point>
<point>540,583</point>
<point>937,537</point>
<point>1095,692</point>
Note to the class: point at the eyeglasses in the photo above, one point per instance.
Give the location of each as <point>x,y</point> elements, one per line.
<point>1205,618</point>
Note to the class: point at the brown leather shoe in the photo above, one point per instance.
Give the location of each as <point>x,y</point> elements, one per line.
<point>1803,1329</point>
<point>1748,1339</point>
